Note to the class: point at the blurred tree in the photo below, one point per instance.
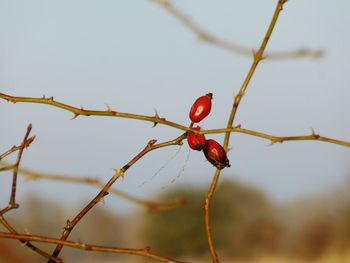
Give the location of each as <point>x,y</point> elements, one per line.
<point>242,225</point>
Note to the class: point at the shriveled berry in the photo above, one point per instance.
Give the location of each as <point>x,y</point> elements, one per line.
<point>201,108</point>
<point>195,141</point>
<point>216,154</point>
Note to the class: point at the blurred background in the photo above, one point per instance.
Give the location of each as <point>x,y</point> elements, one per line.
<point>285,201</point>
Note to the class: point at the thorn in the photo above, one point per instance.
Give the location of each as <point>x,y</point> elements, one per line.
<point>75,116</point>
<point>119,173</point>
<point>24,243</point>
<point>156,116</point>
<point>313,132</point>
<point>272,142</point>
<point>44,97</point>
<point>108,108</point>
<point>229,149</point>
<point>51,99</point>
<point>147,249</point>
<point>254,52</point>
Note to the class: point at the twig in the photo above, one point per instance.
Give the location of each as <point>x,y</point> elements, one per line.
<point>278,139</point>
<point>12,203</point>
<point>118,173</point>
<point>145,252</point>
<point>156,119</point>
<point>229,46</point>
<point>258,56</point>
<point>151,205</point>
<point>16,148</point>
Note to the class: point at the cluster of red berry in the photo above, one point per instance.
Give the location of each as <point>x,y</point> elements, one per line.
<point>213,151</point>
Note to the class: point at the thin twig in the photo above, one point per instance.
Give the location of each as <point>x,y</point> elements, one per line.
<point>12,203</point>
<point>226,45</point>
<point>278,139</point>
<point>258,56</point>
<point>151,205</point>
<point>16,148</point>
<point>118,173</point>
<point>145,252</point>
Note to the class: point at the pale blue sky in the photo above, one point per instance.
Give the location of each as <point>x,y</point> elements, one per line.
<point>135,57</point>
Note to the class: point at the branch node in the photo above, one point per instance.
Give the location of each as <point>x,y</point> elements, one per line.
<point>147,249</point>
<point>119,173</point>
<point>151,142</point>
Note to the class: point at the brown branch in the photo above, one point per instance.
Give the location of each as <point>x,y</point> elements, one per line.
<point>8,226</point>
<point>277,139</point>
<point>156,119</point>
<point>226,45</point>
<point>118,173</point>
<point>145,252</point>
<point>12,203</point>
<point>151,205</point>
<point>81,111</point>
<point>258,56</point>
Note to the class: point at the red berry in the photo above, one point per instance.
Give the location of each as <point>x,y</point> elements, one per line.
<point>216,154</point>
<point>201,108</point>
<point>196,142</point>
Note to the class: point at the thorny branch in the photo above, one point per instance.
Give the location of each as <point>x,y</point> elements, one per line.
<point>258,56</point>
<point>152,206</point>
<point>145,252</point>
<point>12,203</point>
<point>118,173</point>
<point>156,119</point>
<point>229,46</point>
<point>205,36</point>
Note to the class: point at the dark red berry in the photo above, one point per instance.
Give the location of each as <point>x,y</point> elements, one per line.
<point>216,154</point>
<point>201,108</point>
<point>195,141</point>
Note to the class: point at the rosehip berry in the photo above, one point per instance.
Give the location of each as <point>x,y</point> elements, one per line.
<point>196,142</point>
<point>201,108</point>
<point>216,154</point>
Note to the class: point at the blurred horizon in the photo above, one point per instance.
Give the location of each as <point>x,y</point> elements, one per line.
<point>248,227</point>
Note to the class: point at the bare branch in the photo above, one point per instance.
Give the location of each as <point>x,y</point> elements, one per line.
<point>152,206</point>
<point>258,56</point>
<point>118,173</point>
<point>145,252</point>
<point>224,44</point>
